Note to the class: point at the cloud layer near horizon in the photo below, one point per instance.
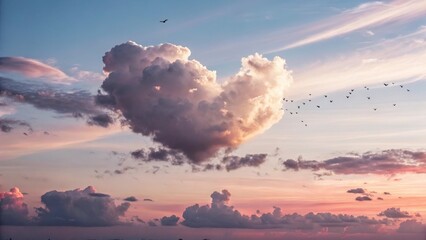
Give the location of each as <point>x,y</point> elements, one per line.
<point>176,100</point>
<point>219,214</point>
<point>79,208</point>
<point>13,210</point>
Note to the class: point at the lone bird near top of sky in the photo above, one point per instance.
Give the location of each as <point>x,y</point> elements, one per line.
<point>164,21</point>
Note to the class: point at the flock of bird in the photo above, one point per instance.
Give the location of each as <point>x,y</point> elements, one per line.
<point>295,110</point>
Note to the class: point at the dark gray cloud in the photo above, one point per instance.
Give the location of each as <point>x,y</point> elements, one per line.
<point>357,190</point>
<point>13,210</point>
<point>169,221</point>
<point>388,162</point>
<point>160,154</point>
<point>7,125</point>
<point>249,160</point>
<point>102,120</point>
<point>131,199</point>
<point>148,200</point>
<point>178,102</point>
<point>394,213</point>
<point>363,198</point>
<point>75,103</point>
<point>220,215</point>
<point>79,208</point>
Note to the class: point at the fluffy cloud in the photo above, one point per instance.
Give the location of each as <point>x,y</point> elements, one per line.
<point>34,69</point>
<point>412,226</point>
<point>220,215</point>
<point>388,162</point>
<point>13,210</point>
<point>169,221</point>
<point>79,208</point>
<point>394,213</point>
<point>163,94</point>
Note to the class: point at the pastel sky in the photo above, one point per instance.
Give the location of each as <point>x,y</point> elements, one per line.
<point>230,120</point>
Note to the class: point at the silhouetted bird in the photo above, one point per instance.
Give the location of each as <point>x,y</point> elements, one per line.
<point>298,107</point>
<point>164,21</point>
<point>352,90</point>
<point>310,94</point>
<point>302,121</point>
<point>394,104</point>
<point>99,92</point>
<point>408,90</point>
<point>368,88</point>
<point>375,109</point>
<point>325,95</point>
<point>368,98</point>
<point>304,103</point>
<point>296,112</point>
<point>291,100</point>
<point>309,100</point>
<point>26,134</point>
<point>401,86</point>
<point>347,96</point>
<point>306,125</point>
<point>318,106</point>
<point>331,101</point>
<point>291,113</point>
<point>386,84</point>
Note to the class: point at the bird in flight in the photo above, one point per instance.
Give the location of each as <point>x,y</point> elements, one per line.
<point>164,21</point>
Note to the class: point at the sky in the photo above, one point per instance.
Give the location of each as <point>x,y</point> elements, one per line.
<point>230,120</point>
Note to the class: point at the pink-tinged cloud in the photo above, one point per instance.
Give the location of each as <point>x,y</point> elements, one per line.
<point>388,162</point>
<point>412,226</point>
<point>79,208</point>
<point>365,15</point>
<point>33,69</point>
<point>178,102</point>
<point>13,210</point>
<point>219,214</point>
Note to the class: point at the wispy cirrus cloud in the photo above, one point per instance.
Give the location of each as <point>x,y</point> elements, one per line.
<point>363,16</point>
<point>33,68</point>
<point>388,60</point>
